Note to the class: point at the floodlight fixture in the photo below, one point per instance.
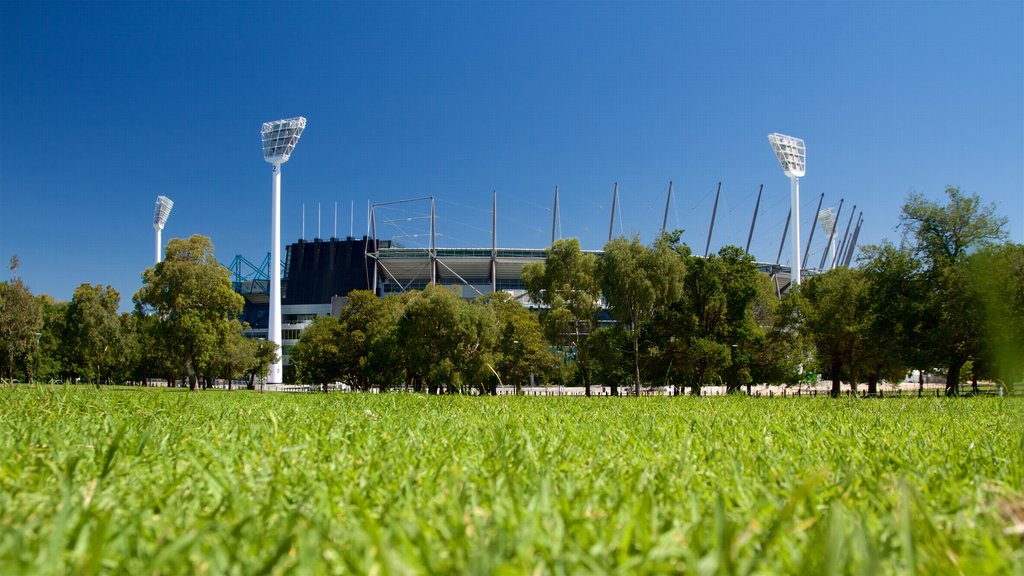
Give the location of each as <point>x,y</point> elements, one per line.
<point>279,140</point>
<point>792,155</point>
<point>163,210</point>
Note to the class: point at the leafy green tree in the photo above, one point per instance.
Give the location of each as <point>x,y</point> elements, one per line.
<point>50,360</point>
<point>610,347</point>
<point>368,351</point>
<point>773,352</point>
<point>567,286</point>
<point>317,356</point>
<point>520,349</point>
<point>897,295</point>
<point>191,295</point>
<point>94,327</point>
<point>446,341</point>
<point>638,282</point>
<point>943,235</point>
<point>265,353</point>
<point>999,275</point>
<point>836,316</point>
<point>21,319</point>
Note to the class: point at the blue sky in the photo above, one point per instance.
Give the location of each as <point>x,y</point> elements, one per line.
<point>107,105</point>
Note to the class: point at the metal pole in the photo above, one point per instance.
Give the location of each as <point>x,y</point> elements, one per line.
<point>853,240</point>
<point>318,235</point>
<point>274,322</point>
<point>714,212</point>
<point>785,230</point>
<point>157,228</point>
<point>830,249</point>
<point>554,217</point>
<point>810,236</point>
<point>794,267</point>
<point>371,225</point>
<point>494,240</point>
<point>668,200</point>
<point>837,261</point>
<point>611,225</point>
<point>754,221</point>
<point>433,245</point>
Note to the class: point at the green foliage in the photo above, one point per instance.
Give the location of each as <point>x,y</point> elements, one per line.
<point>21,319</point>
<point>318,356</point>
<point>445,340</point>
<point>943,235</point>
<point>158,481</point>
<point>190,293</point>
<point>638,282</point>
<point>520,349</point>
<point>568,286</point>
<point>836,316</point>
<point>94,329</point>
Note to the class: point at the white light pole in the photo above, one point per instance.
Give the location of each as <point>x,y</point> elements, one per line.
<point>163,210</point>
<point>792,154</point>
<point>279,139</point>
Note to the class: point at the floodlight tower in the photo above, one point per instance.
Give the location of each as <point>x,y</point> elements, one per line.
<point>792,155</point>
<point>163,210</point>
<point>279,139</point>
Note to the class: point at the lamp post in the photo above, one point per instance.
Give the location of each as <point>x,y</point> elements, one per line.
<point>792,155</point>
<point>279,139</point>
<point>163,210</point>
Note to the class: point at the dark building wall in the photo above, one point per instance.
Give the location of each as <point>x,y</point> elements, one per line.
<point>315,271</point>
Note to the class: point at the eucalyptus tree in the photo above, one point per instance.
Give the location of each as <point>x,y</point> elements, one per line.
<point>318,355</point>
<point>190,293</point>
<point>943,235</point>
<point>21,320</point>
<point>567,287</point>
<point>94,328</point>
<point>639,282</point>
<point>836,317</point>
<point>897,298</point>
<point>520,350</point>
<point>446,341</point>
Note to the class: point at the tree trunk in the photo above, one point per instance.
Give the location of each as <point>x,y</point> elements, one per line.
<point>636,363</point>
<point>953,378</point>
<point>872,385</point>
<point>920,382</point>
<point>836,383</point>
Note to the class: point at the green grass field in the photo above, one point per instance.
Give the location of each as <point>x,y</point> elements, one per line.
<point>156,481</point>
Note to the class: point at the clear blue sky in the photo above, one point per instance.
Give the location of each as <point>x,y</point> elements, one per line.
<point>107,105</point>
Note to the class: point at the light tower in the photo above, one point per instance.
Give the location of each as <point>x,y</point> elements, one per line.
<point>163,210</point>
<point>279,139</point>
<point>792,154</point>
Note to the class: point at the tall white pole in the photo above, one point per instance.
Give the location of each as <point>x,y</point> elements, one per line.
<point>795,238</point>
<point>158,255</point>
<point>274,326</point>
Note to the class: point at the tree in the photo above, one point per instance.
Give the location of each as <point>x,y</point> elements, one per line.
<point>566,284</point>
<point>520,350</point>
<point>835,319</point>
<point>50,360</point>
<point>446,341</point>
<point>943,235</point>
<point>368,353</point>
<point>21,320</point>
<point>897,294</point>
<point>317,356</point>
<point>999,275</point>
<point>264,354</point>
<point>638,282</point>
<point>93,327</point>
<point>190,293</point>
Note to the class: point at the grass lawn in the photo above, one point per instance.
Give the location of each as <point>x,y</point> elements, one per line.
<point>159,481</point>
